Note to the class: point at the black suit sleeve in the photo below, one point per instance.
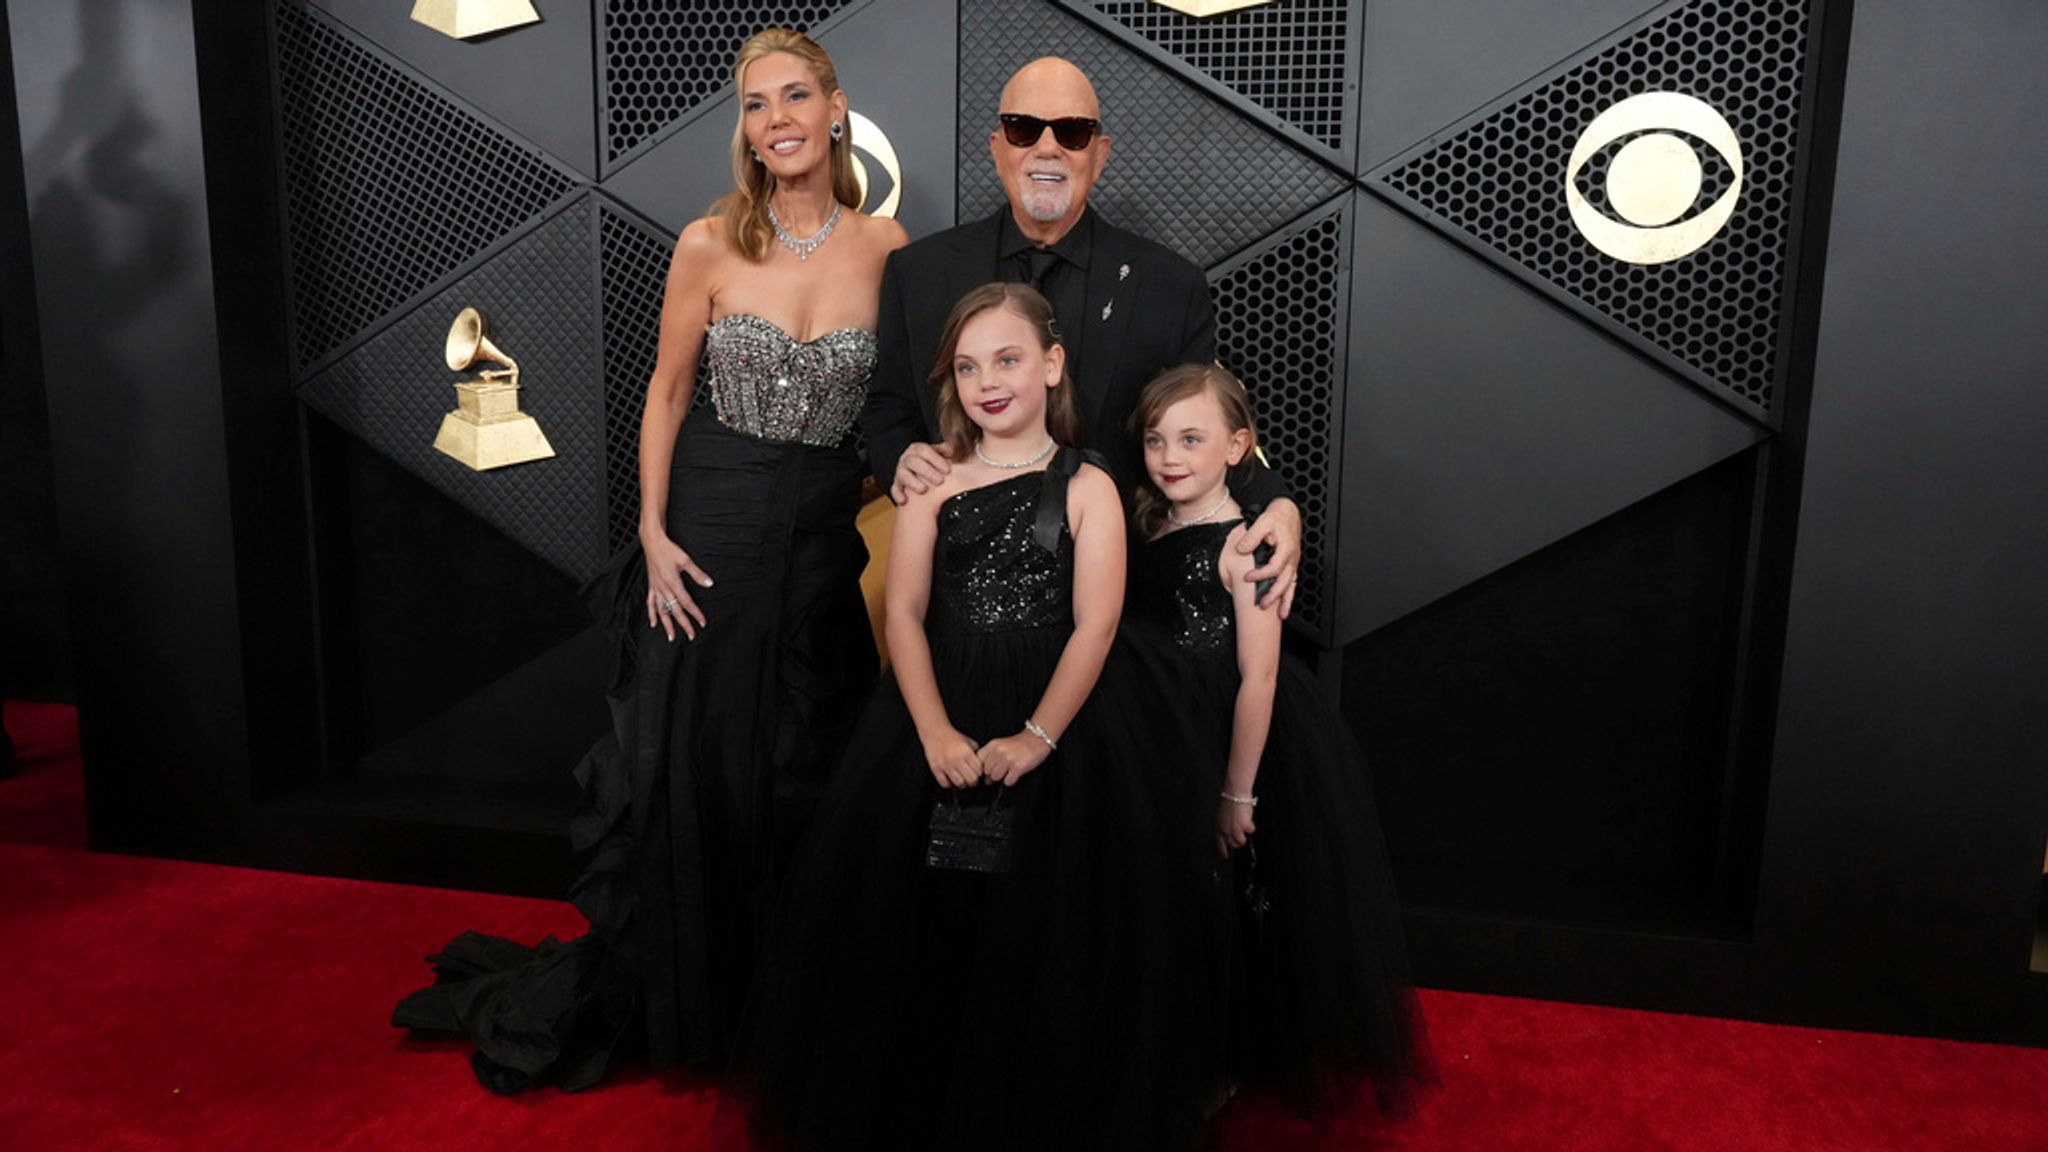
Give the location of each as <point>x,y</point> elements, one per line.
<point>1198,327</point>
<point>892,418</point>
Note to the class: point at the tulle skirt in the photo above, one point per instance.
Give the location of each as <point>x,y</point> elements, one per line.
<point>1072,1002</point>
<point>719,750</point>
<point>1322,999</point>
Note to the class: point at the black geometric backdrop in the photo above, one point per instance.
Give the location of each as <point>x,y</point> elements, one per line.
<point>391,184</point>
<point>1457,388</point>
<point>1234,141</point>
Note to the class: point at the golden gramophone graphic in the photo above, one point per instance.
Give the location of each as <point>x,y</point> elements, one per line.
<point>487,430</point>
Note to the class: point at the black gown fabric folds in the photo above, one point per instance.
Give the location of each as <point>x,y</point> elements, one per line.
<point>719,749</point>
<point>1069,1003</point>
<point>1321,995</point>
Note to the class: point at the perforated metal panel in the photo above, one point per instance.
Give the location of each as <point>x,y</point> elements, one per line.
<point>1280,317</point>
<point>1185,170</point>
<point>1713,315</point>
<point>659,59</point>
<point>636,258</point>
<point>541,299</point>
<point>389,184</point>
<point>1292,59</point>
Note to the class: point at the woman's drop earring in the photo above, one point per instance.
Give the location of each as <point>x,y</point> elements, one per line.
<point>839,129</point>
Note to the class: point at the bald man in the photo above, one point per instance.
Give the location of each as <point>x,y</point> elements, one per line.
<point>1126,307</point>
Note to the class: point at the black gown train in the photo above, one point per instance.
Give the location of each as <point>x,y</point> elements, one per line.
<point>1321,994</point>
<point>1066,1004</point>
<point>719,748</point>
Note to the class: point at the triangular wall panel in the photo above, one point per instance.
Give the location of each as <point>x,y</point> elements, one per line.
<point>1414,80</point>
<point>1281,309</point>
<point>1296,60</point>
<point>540,296</point>
<point>506,75</point>
<point>1497,183</point>
<point>1486,424</point>
<point>389,185</point>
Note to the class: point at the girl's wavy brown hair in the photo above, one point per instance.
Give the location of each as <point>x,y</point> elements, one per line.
<point>956,428</point>
<point>1170,387</point>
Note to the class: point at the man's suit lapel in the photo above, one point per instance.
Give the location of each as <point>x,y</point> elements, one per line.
<point>1113,284</point>
<point>970,262</point>
<point>975,254</point>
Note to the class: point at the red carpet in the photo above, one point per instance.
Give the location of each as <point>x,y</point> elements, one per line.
<point>45,802</point>
<point>161,1005</point>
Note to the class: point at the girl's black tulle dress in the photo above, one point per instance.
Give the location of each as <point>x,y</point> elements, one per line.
<point>1066,1004</point>
<point>719,747</point>
<point>1321,995</point>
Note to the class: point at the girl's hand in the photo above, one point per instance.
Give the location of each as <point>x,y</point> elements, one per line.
<point>1012,758</point>
<point>669,603</point>
<point>950,755</point>
<point>1233,826</point>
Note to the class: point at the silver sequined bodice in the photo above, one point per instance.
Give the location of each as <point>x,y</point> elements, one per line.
<point>767,383</point>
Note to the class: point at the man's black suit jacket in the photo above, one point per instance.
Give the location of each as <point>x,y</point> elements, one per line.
<point>1147,309</point>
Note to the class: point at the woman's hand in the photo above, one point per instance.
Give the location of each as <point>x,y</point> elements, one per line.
<point>1233,826</point>
<point>1012,758</point>
<point>669,603</point>
<point>951,757</point>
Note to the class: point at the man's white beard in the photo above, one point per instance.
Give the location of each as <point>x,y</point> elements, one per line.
<point>1046,205</point>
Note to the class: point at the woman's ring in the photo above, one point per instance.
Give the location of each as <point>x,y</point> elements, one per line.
<point>668,605</point>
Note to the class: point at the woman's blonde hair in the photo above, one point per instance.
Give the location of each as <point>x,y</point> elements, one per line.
<point>1167,389</point>
<point>956,428</point>
<point>744,210</point>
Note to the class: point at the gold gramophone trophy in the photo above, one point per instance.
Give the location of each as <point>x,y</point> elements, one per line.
<point>487,430</point>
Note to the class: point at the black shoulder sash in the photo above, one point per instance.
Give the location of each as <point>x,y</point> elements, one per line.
<point>1051,516</point>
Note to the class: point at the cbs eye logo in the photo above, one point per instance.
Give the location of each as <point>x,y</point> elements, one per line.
<point>869,138</point>
<point>1654,179</point>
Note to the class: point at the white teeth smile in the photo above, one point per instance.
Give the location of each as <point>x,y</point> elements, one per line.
<point>994,406</point>
<point>786,146</point>
<point>1048,178</point>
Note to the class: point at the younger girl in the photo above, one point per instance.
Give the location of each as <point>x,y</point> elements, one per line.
<point>907,1001</point>
<point>1322,992</point>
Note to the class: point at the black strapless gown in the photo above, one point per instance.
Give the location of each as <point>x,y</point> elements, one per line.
<point>1321,994</point>
<point>720,747</point>
<point>1058,1006</point>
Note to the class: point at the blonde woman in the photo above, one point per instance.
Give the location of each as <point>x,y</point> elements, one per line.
<point>750,650</point>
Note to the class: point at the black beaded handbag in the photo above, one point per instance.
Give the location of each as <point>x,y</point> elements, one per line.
<point>971,836</point>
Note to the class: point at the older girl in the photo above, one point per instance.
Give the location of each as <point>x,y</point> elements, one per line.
<point>978,949</point>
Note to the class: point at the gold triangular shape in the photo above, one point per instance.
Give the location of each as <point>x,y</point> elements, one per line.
<point>464,19</point>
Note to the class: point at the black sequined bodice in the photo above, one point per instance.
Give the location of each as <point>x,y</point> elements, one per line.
<point>767,383</point>
<point>988,573</point>
<point>1180,592</point>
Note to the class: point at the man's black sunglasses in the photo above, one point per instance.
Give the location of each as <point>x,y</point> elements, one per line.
<point>1073,132</point>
